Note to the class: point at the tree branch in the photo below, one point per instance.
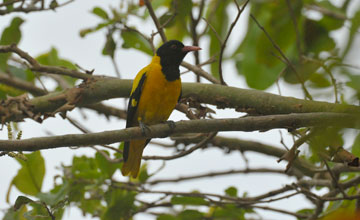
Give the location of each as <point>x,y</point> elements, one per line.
<point>193,126</point>
<point>35,66</point>
<point>156,21</point>
<point>98,89</point>
<point>20,84</point>
<point>29,8</point>
<point>243,145</point>
<point>200,72</point>
<point>215,174</point>
<point>223,45</point>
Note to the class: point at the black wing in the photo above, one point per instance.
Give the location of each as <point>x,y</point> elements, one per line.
<point>132,107</point>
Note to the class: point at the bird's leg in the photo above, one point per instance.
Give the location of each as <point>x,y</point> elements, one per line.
<point>144,128</point>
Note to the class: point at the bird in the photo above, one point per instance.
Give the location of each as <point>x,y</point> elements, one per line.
<point>155,92</point>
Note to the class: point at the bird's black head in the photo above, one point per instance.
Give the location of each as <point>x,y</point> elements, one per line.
<point>171,55</point>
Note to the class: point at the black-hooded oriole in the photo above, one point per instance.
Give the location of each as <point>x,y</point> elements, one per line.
<point>155,92</point>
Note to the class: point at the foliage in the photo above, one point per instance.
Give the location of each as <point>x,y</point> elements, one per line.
<point>284,43</point>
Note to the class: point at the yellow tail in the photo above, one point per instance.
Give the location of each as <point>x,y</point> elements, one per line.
<point>132,164</point>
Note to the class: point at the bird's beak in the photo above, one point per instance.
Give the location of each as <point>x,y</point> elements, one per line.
<point>190,48</point>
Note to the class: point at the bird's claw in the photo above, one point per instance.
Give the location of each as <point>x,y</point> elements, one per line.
<point>171,124</point>
<point>144,128</point>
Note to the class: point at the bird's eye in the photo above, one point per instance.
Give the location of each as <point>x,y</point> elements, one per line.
<point>173,46</point>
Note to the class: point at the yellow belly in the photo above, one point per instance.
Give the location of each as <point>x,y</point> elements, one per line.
<point>158,98</point>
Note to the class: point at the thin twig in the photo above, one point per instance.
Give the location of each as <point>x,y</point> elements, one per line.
<point>116,68</point>
<point>199,71</point>
<point>156,21</point>
<point>194,34</point>
<point>333,81</point>
<point>325,11</point>
<point>223,45</point>
<point>297,33</point>
<point>184,153</point>
<point>307,94</point>
<point>20,84</point>
<point>31,8</point>
<point>335,179</point>
<point>213,29</point>
<point>215,174</point>
<point>35,66</point>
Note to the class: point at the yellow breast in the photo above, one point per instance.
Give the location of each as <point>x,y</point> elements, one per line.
<point>159,96</point>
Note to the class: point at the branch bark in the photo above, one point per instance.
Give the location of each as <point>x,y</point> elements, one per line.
<point>192,126</point>
<point>96,89</point>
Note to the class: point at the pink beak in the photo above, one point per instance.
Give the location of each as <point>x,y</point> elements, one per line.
<point>190,48</point>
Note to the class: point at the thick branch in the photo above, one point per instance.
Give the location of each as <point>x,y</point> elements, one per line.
<point>193,126</point>
<point>97,89</point>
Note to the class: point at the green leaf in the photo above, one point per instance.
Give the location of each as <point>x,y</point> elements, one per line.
<point>107,168</point>
<point>229,212</point>
<point>133,39</point>
<point>316,37</point>
<point>143,174</point>
<point>120,204</point>
<point>304,70</point>
<point>167,20</point>
<point>52,58</point>
<point>100,12</point>
<point>187,200</point>
<point>110,46</point>
<point>9,91</point>
<point>319,80</point>
<point>55,196</point>
<point>191,215</point>
<point>30,177</point>
<point>178,28</point>
<point>92,206</point>
<point>11,214</point>
<point>10,35</point>
<point>167,217</point>
<point>18,72</point>
<point>331,22</point>
<point>9,7</point>
<point>85,167</point>
<point>356,146</point>
<point>38,212</point>
<point>98,27</point>
<point>355,24</point>
<point>257,58</point>
<point>354,83</point>
<point>306,211</point>
<point>54,4</point>
<point>231,191</point>
<point>20,201</point>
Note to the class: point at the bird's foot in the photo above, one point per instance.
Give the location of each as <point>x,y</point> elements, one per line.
<point>171,124</point>
<point>144,128</point>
